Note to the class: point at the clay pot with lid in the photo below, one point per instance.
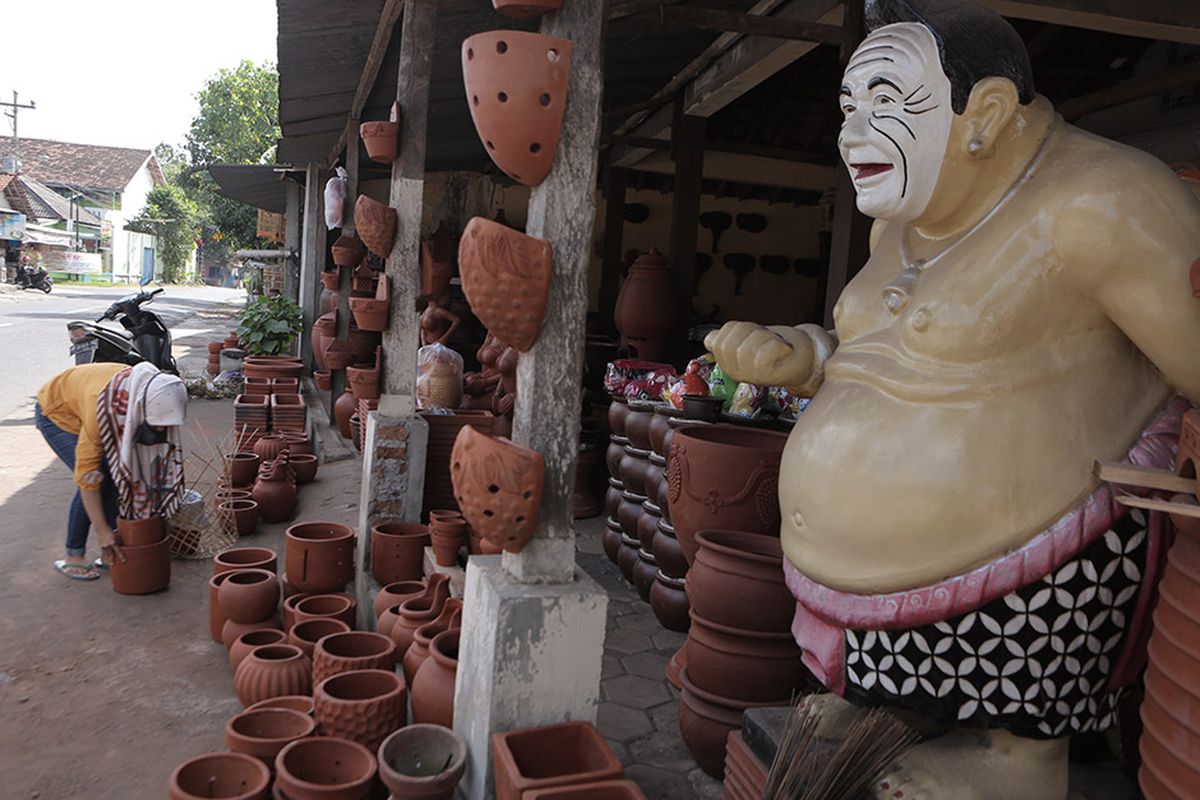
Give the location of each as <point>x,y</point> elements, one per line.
<point>724,477</point>
<point>250,640</point>
<point>319,556</point>
<point>275,493</point>
<point>647,530</point>
<point>418,651</point>
<point>645,312</point>
<point>705,722</point>
<point>263,732</point>
<point>506,277</point>
<point>332,605</point>
<point>145,569</point>
<point>229,775</point>
<point>376,224</point>
<point>307,633</point>
<point>610,539</point>
<point>516,86</point>
<point>737,580</point>
<point>353,650</point>
<point>137,532</point>
<point>669,602</point>
<point>498,486</point>
<point>614,454</point>
<point>743,665</point>
<point>271,671</point>
<point>249,595</point>
<point>416,611</point>
<point>395,593</point>
<point>325,768</point>
<point>433,685</point>
<point>423,762</point>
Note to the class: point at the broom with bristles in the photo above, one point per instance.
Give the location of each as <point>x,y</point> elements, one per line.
<point>805,770</point>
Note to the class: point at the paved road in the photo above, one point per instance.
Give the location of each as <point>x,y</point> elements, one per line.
<point>33,329</point>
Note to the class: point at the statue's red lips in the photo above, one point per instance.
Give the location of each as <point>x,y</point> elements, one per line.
<point>869,170</point>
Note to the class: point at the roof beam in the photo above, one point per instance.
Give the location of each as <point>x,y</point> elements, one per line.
<point>1129,91</point>
<point>1172,20</point>
<point>709,19</point>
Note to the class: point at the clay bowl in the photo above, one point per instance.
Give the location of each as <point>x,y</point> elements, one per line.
<point>295,702</point>
<point>250,640</point>
<point>234,776</point>
<point>338,606</point>
<point>263,732</point>
<point>737,581</point>
<point>325,767</point>
<point>249,595</point>
<point>741,665</point>
<point>423,761</point>
<point>393,594</point>
<point>352,650</point>
<point>144,569</point>
<point>305,467</point>
<point>705,721</point>
<point>244,558</point>
<point>306,634</point>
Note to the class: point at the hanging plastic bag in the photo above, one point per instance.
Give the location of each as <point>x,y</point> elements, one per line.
<point>335,199</point>
<point>439,377</point>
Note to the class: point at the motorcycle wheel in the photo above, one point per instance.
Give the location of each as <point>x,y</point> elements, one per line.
<point>47,286</point>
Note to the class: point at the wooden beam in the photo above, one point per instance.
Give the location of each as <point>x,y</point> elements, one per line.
<point>1129,91</point>
<point>337,377</point>
<point>614,231</point>
<point>688,138</point>
<point>1170,20</point>
<point>312,254</point>
<point>709,19</point>
<point>627,8</point>
<point>291,240</point>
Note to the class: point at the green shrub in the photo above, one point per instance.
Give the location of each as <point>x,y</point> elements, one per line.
<point>267,326</point>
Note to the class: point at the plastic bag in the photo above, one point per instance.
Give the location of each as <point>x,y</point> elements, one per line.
<point>335,200</point>
<point>748,401</point>
<point>439,377</point>
<point>721,385</point>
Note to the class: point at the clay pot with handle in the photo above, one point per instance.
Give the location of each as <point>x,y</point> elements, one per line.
<point>433,685</point>
<point>416,611</point>
<point>418,651</point>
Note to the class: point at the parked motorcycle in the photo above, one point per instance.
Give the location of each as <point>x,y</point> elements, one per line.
<point>29,278</point>
<point>145,337</point>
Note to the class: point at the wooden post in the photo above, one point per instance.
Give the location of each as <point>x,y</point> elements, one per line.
<point>291,239</point>
<point>687,136</point>
<point>614,230</point>
<point>562,210</point>
<point>337,377</point>
<point>312,254</point>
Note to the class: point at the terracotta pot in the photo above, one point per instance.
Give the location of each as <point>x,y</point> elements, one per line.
<point>298,444</point>
<point>506,278</point>
<point>516,84</point>
<point>614,454</point>
<point>229,775</point>
<point>566,754</point>
<point>289,605</point>
<point>667,552</point>
<point>271,671</point>
<point>363,379</point>
<point>416,611</point>
<point>145,569</point>
<point>356,431</point>
<point>275,494</point>
<point>353,650</point>
<point>645,312</point>
<point>423,762</point>
<point>524,9</point>
<point>669,601</point>
<point>499,486</point>
<point>249,640</point>
<point>292,702</point>
<point>325,768</point>
<point>597,790</point>
<point>249,595</point>
<point>612,496</point>
<point>662,495</point>
<point>638,420</point>
<point>627,556</point>
<point>395,593</point>
<point>363,705</point>
<point>660,428</point>
<point>320,606</point>
<point>216,619</point>
<point>324,330</point>
<point>642,574</point>
<point>676,666</point>
<point>618,410</point>
<point>224,495</point>
<point>647,530</point>
<point>269,446</point>
<point>655,471</point>
<point>371,313</point>
<point>705,722</point>
<point>610,539</point>
<point>418,651</point>
<point>342,409</point>
<point>376,225</point>
<point>737,581</point>
<point>433,685</point>
<point>244,514</point>
<point>214,348</point>
<point>381,140</point>
<point>632,470</point>
<point>321,377</point>
<point>724,478</point>
<point>319,556</point>
<point>306,634</point>
<point>743,665</point>
<point>397,553</point>
<point>137,532</point>
<point>263,732</point>
<point>347,251</point>
<point>231,631</point>
<point>629,513</point>
<point>305,467</point>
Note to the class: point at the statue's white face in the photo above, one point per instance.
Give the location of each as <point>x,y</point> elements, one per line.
<point>896,102</point>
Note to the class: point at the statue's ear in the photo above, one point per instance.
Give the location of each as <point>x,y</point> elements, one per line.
<point>992,105</point>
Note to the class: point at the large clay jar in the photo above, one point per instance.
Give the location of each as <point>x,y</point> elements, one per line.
<point>743,665</point>
<point>423,762</point>
<point>376,224</point>
<point>324,330</point>
<point>669,601</point>
<point>418,651</point>
<point>275,493</point>
<point>230,775</point>
<point>327,606</point>
<point>250,640</point>
<point>506,278</point>
<point>324,768</point>
<point>139,532</point>
<point>249,595</point>
<point>416,611</point>
<point>319,556</point>
<point>398,551</point>
<point>737,581</point>
<point>269,446</point>
<point>705,722</point>
<point>143,570</point>
<point>271,671</point>
<point>724,478</point>
<point>244,558</point>
<point>393,594</point>
<point>645,313</point>
<point>517,90</point>
<point>306,634</point>
<point>433,685</point>
<point>499,486</point>
<point>354,650</point>
<point>362,705</point>
<point>263,732</point>
<point>342,409</point>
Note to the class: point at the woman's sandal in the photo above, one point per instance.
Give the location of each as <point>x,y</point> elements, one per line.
<point>64,567</point>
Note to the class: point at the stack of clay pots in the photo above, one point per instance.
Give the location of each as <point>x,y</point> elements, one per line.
<point>668,597</point>
<point>633,468</point>
<point>448,530</point>
<point>569,756</point>
<point>145,567</point>
<point>214,357</point>
<point>288,412</point>
<point>251,418</point>
<point>618,409</point>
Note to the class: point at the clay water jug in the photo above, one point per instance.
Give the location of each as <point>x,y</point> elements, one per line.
<point>416,611</point>
<point>418,651</point>
<point>342,409</point>
<point>433,685</point>
<point>274,493</point>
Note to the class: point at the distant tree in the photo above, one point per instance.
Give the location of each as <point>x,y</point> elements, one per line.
<point>171,217</point>
<point>172,160</point>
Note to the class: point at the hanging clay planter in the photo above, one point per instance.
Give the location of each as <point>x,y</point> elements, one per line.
<point>263,732</point>
<point>433,685</point>
<point>566,754</point>
<point>645,312</point>
<point>145,569</point>
<point>348,251</point>
<point>324,767</point>
<point>525,9</point>
<point>516,86</point>
<point>418,651</point>
<point>306,634</point>
<point>392,595</point>
<point>275,493</point>
<point>319,556</point>
<point>506,277</point>
<point>448,537</point>
<point>382,139</point>
<point>321,377</point>
<point>248,641</point>
<point>232,775</point>
<point>249,595</point>
<point>353,650</point>
<point>371,313</point>
<point>362,706</point>
<point>498,485</point>
<point>376,225</point>
<point>423,761</point>
<point>416,611</point>
<point>397,552</point>
<point>271,671</point>
<point>364,378</point>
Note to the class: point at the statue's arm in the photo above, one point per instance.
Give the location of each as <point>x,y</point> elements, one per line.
<point>776,355</point>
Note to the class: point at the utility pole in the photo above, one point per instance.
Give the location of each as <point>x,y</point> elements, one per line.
<point>16,107</point>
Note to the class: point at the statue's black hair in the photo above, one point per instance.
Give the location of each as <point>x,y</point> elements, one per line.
<point>974,43</point>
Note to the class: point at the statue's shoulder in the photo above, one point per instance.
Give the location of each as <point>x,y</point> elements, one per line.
<point>1105,167</point>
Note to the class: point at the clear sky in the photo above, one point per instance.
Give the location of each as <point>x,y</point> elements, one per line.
<point>122,72</point>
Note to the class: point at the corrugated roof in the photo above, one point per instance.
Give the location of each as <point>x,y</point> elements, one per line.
<point>255,185</point>
<point>87,166</point>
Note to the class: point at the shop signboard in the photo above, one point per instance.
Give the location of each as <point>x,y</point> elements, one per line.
<point>12,225</point>
<point>72,262</point>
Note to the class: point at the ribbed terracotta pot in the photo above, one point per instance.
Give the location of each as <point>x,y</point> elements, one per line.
<point>363,705</point>
<point>143,570</point>
<point>263,732</point>
<point>705,721</point>
<point>398,551</point>
<point>243,468</point>
<point>744,666</point>
<point>552,756</point>
<point>325,767</point>
<point>499,486</point>
<point>737,581</point>
<point>244,558</point>
<point>416,611</point>
<point>306,634</point>
<point>271,671</point>
<point>350,651</point>
<point>249,595</point>
<point>236,776</point>
<point>250,640</point>
<point>433,685</point>
<point>423,762</point>
<point>326,606</point>
<point>270,446</point>
<point>139,532</point>
<point>392,595</point>
<point>319,556</point>
<point>418,651</point>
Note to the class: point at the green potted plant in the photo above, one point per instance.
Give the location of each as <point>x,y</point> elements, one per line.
<point>267,326</point>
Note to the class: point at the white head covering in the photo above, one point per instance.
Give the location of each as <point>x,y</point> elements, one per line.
<point>166,400</point>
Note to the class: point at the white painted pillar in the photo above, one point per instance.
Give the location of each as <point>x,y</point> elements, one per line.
<point>312,254</point>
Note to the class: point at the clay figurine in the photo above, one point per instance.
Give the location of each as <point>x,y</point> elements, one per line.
<point>438,322</point>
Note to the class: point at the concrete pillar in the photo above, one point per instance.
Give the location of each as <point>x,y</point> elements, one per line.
<point>312,255</point>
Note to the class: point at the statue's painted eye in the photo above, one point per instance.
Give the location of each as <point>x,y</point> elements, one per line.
<point>847,109</point>
<point>884,100</point>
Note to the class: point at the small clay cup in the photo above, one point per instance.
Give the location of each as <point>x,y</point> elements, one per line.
<point>234,776</point>
<point>306,634</point>
<point>327,767</point>
<point>263,732</point>
<point>424,762</point>
<point>244,558</point>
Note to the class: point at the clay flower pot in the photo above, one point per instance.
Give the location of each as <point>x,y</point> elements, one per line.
<point>305,467</point>
<point>271,671</point>
<point>397,553</point>
<point>229,775</point>
<point>364,378</point>
<point>244,514</point>
<point>216,618</point>
<point>416,611</point>
<point>347,252</point>
<point>363,705</point>
<point>145,569</point>
<point>335,606</point>
<point>222,496</point>
<point>325,767</point>
<point>321,377</point>
<point>263,732</point>
<point>423,762</point>
<point>705,722</point>
<point>724,478</point>
<point>249,640</point>
<point>376,224</point>
<point>599,790</point>
<point>319,556</point>
<point>243,468</point>
<point>371,313</point>
<point>395,593</point>
<point>298,443</point>
<point>506,277</point>
<point>433,685</point>
<point>418,651</point>
<point>231,631</point>
<point>524,9</point>
<point>293,702</point>
<point>275,493</point>
<point>140,531</point>
<point>306,634</point>
<point>744,666</point>
<point>353,650</point>
<point>382,138</point>
<point>343,407</point>
<point>551,756</point>
<point>498,485</point>
<point>249,595</point>
<point>737,581</point>
<point>448,537</point>
<point>516,86</point>
<point>289,604</point>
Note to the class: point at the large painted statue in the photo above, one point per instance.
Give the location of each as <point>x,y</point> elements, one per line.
<point>1026,310</point>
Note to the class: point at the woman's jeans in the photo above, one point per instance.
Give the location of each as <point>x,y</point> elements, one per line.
<point>63,444</point>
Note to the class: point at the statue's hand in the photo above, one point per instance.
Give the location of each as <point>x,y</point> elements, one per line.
<point>773,356</point>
